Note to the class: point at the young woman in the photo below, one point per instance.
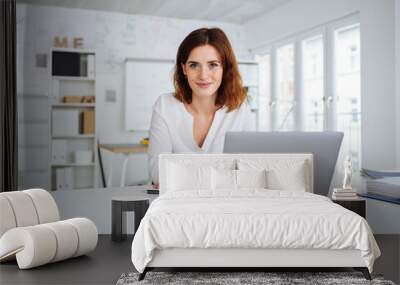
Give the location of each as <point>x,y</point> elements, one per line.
<point>209,100</point>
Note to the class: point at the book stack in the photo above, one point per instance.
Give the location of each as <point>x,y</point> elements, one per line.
<point>344,194</point>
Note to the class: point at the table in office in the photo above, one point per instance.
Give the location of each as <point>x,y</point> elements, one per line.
<point>126,150</point>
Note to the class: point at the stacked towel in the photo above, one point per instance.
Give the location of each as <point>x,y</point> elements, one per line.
<point>344,194</point>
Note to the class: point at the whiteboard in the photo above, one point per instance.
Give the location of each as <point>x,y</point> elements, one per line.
<point>145,81</point>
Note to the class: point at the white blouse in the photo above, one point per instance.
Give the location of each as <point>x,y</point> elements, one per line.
<point>171,130</point>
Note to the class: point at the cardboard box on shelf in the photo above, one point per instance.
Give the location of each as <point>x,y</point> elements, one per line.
<point>72,99</point>
<point>88,99</point>
<point>88,122</point>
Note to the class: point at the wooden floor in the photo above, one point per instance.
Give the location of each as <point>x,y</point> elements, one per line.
<point>111,259</point>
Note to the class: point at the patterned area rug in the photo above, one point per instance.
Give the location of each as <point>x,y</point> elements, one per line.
<point>229,278</point>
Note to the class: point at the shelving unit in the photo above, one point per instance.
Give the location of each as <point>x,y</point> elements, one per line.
<point>66,148</point>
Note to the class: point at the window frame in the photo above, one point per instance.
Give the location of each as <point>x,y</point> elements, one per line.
<point>329,93</point>
<point>329,98</point>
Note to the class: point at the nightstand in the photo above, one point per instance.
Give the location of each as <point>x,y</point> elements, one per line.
<point>122,204</point>
<point>356,205</point>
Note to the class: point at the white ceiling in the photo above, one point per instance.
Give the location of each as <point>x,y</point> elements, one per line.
<point>233,11</point>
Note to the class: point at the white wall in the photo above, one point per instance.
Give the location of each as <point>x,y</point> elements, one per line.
<point>114,36</point>
<point>377,57</point>
<point>32,108</point>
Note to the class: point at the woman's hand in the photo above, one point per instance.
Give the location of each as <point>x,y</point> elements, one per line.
<point>156,186</point>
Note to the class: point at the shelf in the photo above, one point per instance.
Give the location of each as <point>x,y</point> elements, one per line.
<point>74,136</point>
<point>74,78</point>
<point>77,174</point>
<point>77,50</point>
<point>71,164</point>
<point>74,105</point>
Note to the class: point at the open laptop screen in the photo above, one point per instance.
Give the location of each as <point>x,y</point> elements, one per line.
<point>324,146</point>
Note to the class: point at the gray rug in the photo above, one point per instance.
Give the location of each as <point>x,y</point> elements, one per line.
<point>229,278</point>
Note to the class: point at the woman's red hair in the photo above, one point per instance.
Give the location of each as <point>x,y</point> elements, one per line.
<point>231,92</point>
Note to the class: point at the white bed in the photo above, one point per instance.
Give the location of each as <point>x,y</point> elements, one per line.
<point>202,220</point>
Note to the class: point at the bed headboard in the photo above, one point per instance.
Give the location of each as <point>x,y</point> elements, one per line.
<point>276,161</point>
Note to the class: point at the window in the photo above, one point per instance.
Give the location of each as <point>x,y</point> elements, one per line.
<point>312,83</point>
<point>347,87</point>
<point>265,100</point>
<point>285,102</point>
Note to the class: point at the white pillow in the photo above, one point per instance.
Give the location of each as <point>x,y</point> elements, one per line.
<point>223,179</point>
<point>251,178</point>
<point>185,177</point>
<point>236,179</point>
<point>290,179</point>
<point>282,174</point>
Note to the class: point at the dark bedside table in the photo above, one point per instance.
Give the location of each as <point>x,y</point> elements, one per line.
<point>356,205</point>
<point>121,205</point>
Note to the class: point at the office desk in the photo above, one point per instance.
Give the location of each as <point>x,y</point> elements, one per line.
<point>126,150</point>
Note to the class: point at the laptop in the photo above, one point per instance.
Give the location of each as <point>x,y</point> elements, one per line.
<point>324,146</point>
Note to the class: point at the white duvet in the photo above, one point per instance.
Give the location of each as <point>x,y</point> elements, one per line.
<point>250,219</point>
